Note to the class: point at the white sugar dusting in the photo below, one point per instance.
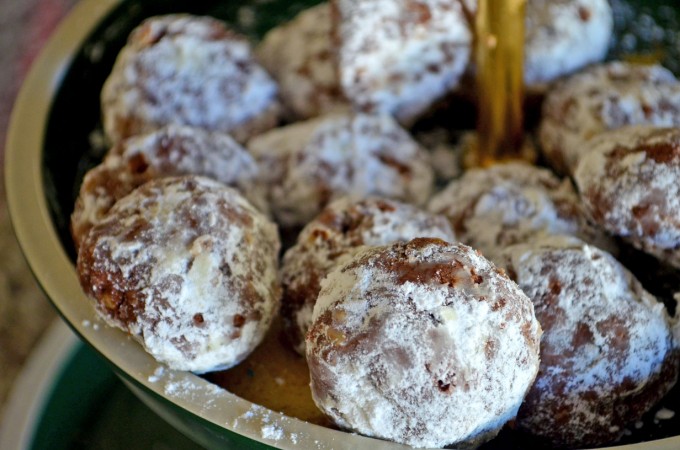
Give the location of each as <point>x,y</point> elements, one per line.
<point>664,414</point>
<point>585,299</point>
<point>511,203</point>
<point>170,151</point>
<point>300,56</point>
<point>400,60</point>
<point>156,375</point>
<point>204,73</point>
<point>422,349</point>
<point>563,36</point>
<point>273,432</point>
<point>605,97</point>
<point>192,252</point>
<point>268,425</point>
<point>310,163</point>
<point>340,230</point>
<point>628,184</point>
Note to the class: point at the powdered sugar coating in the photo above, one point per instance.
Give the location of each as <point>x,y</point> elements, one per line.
<point>563,36</point>
<point>399,57</point>
<point>628,182</point>
<point>310,163</point>
<point>505,204</point>
<point>188,267</point>
<point>424,343</point>
<point>601,98</point>
<point>339,231</point>
<point>607,354</point>
<point>188,70</point>
<point>301,57</point>
<point>170,151</point>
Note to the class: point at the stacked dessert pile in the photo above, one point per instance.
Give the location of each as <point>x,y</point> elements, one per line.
<point>428,315</point>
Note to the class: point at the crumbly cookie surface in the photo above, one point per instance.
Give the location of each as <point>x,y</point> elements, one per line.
<point>506,204</point>
<point>608,353</point>
<point>601,98</point>
<point>189,268</point>
<point>344,227</point>
<point>563,36</point>
<point>424,343</point>
<point>300,55</point>
<point>308,164</point>
<point>170,151</point>
<point>629,186</point>
<point>188,70</point>
<point>399,57</point>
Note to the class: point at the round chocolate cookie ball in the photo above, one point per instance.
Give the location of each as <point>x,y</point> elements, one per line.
<point>629,186</point>
<point>341,229</point>
<point>563,36</point>
<point>600,98</point>
<point>608,351</point>
<point>188,70</point>
<point>505,204</point>
<point>168,151</point>
<point>308,164</point>
<point>301,57</point>
<point>397,57</point>
<point>424,343</point>
<point>188,267</point>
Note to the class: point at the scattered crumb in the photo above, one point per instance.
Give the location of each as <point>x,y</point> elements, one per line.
<point>99,144</point>
<point>87,324</point>
<point>664,414</point>
<point>273,432</point>
<point>157,374</point>
<point>94,52</point>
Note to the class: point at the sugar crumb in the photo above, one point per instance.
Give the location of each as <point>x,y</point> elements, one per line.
<point>157,374</point>
<point>273,432</point>
<point>664,414</point>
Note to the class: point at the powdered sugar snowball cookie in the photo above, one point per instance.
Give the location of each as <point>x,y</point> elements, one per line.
<point>628,182</point>
<point>564,36</point>
<point>340,230</point>
<point>399,57</point>
<point>189,268</point>
<point>301,57</point>
<point>600,98</point>
<point>308,164</point>
<point>505,204</point>
<point>608,353</point>
<point>169,151</point>
<point>425,343</point>
<point>188,70</point>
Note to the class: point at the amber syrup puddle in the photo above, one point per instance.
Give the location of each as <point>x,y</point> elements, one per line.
<point>273,376</point>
